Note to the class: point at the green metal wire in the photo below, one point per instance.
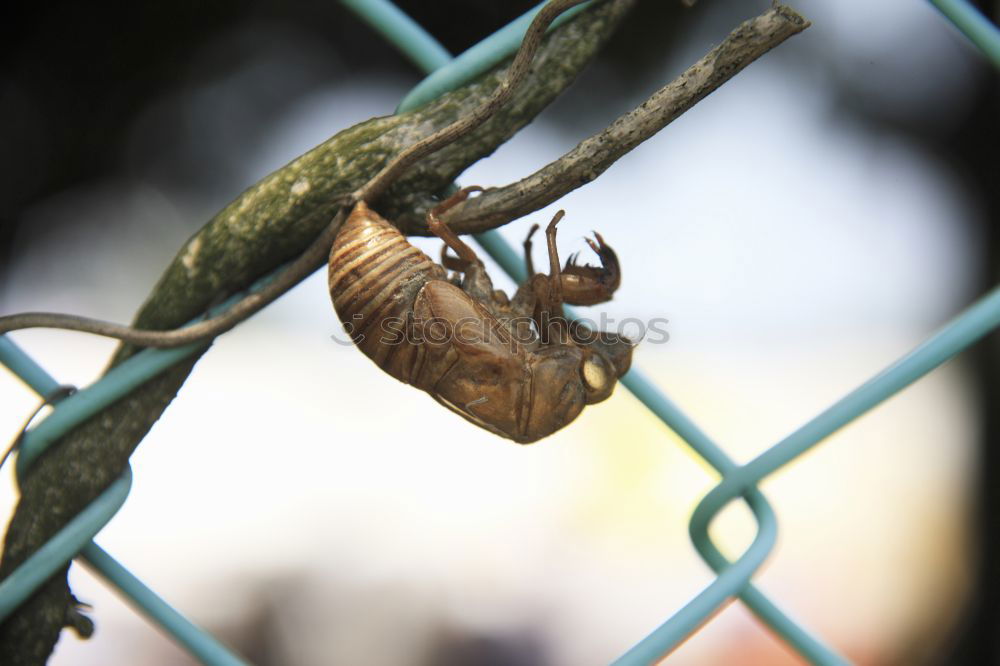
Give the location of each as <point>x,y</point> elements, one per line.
<point>50,558</point>
<point>201,644</point>
<point>733,578</point>
<point>973,25</point>
<point>675,630</point>
<point>76,536</point>
<point>977,321</point>
<point>473,62</point>
<point>397,28</point>
<point>672,632</point>
<point>80,406</point>
<point>21,365</point>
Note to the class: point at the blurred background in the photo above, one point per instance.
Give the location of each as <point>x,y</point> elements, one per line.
<point>800,229</point>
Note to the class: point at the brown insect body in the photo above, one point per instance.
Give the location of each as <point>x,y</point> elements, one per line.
<point>514,367</point>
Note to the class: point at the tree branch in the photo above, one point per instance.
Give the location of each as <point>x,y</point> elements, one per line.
<point>317,252</point>
<point>266,226</point>
<point>497,206</point>
<point>588,160</point>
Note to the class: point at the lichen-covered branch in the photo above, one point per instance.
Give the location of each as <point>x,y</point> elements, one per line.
<point>589,159</point>
<point>270,223</point>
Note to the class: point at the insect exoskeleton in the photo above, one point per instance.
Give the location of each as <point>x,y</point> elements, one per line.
<point>515,367</point>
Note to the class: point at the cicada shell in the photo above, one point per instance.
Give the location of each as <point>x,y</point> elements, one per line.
<point>514,367</point>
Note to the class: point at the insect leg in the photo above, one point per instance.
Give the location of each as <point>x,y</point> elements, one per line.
<point>525,298</point>
<point>529,264</point>
<point>555,283</point>
<point>549,315</point>
<point>452,263</point>
<point>476,282</point>
<point>444,232</point>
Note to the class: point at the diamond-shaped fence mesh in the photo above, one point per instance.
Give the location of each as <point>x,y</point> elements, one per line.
<point>734,578</point>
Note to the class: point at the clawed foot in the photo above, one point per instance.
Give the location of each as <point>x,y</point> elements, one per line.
<point>588,285</point>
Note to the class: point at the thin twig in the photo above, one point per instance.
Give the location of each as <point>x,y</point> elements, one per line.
<point>588,160</point>
<point>314,256</point>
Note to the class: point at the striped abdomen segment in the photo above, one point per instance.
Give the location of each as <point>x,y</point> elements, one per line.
<point>375,275</point>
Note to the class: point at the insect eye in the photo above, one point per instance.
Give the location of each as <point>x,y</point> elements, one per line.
<point>595,374</point>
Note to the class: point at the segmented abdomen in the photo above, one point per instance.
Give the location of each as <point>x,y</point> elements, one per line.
<point>375,275</point>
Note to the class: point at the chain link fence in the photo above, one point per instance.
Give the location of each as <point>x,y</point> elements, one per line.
<point>734,578</point>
